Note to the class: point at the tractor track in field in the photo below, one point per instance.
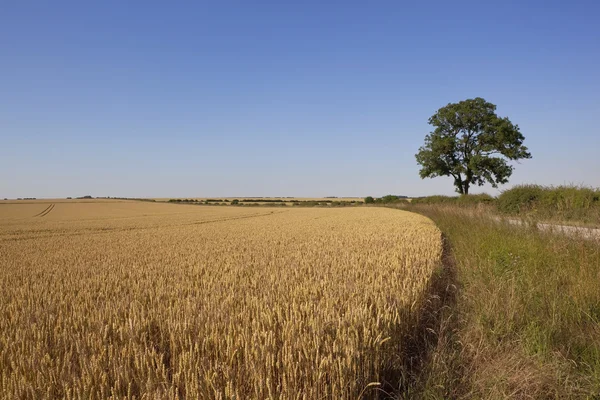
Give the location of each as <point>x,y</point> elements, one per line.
<point>45,211</point>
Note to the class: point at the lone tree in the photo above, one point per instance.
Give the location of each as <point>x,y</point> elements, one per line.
<point>471,144</point>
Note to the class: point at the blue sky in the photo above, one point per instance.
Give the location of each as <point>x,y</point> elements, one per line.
<point>282,98</point>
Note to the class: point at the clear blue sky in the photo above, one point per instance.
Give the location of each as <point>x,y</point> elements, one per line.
<point>283,98</point>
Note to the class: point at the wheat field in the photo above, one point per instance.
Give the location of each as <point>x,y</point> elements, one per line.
<point>124,300</point>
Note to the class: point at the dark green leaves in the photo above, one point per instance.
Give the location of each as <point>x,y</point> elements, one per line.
<point>472,144</point>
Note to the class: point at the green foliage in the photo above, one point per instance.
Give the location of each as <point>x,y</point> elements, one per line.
<point>465,199</point>
<point>263,200</point>
<point>235,202</point>
<point>520,198</point>
<point>388,199</point>
<point>180,200</point>
<point>438,199</point>
<point>312,203</point>
<point>132,198</point>
<point>471,144</point>
<point>560,202</point>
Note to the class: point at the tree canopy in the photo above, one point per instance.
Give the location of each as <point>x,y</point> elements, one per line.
<point>471,144</point>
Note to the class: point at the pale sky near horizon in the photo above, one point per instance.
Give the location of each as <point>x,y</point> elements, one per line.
<point>267,98</point>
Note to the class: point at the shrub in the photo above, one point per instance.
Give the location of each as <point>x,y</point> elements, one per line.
<point>560,202</point>
<point>369,200</point>
<point>519,199</point>
<point>434,200</point>
<point>390,198</point>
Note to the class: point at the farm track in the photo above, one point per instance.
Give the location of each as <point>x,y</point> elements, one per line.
<point>45,233</point>
<point>45,210</point>
<point>568,230</point>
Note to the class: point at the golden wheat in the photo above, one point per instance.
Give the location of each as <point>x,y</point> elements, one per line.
<point>142,300</point>
<point>258,199</point>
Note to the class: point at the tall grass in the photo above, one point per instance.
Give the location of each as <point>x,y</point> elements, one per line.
<point>526,322</point>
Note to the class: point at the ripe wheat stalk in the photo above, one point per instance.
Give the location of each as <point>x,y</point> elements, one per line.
<point>133,300</point>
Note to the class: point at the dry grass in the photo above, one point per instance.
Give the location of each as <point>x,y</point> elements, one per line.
<point>143,300</point>
<point>526,321</point>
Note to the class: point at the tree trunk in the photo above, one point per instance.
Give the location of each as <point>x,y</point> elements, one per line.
<point>458,182</point>
<point>467,182</point>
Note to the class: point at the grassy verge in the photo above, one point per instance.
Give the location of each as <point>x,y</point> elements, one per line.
<point>524,319</point>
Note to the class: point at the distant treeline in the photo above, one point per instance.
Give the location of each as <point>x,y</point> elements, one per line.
<point>268,202</point>
<point>257,200</point>
<point>196,201</point>
<point>131,198</point>
<point>261,200</point>
<point>390,198</point>
<point>88,197</point>
<point>314,203</point>
<point>25,198</point>
<point>188,200</point>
